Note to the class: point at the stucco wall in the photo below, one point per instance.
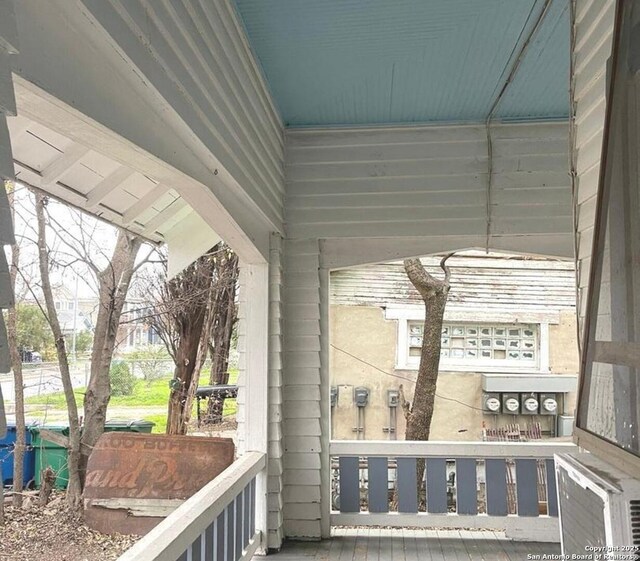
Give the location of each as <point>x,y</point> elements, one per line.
<point>363,353</point>
<point>563,345</point>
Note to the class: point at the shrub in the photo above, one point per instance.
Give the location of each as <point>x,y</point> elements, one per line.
<point>122,379</point>
<point>152,361</point>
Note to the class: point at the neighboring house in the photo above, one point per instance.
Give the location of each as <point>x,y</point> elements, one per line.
<point>74,312</point>
<point>133,330</point>
<point>81,313</point>
<point>509,334</point>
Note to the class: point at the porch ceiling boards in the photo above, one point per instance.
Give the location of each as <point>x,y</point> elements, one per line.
<point>105,188</point>
<point>366,62</point>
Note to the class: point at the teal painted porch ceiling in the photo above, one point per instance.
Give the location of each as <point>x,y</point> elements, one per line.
<point>367,62</point>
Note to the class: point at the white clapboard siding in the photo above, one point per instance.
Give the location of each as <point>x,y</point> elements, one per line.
<point>593,28</point>
<point>428,181</point>
<point>477,281</point>
<point>195,57</point>
<point>275,433</point>
<point>302,382</point>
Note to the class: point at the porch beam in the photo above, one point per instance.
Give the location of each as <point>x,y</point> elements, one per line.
<point>106,186</point>
<point>60,166</point>
<point>159,219</point>
<point>144,203</point>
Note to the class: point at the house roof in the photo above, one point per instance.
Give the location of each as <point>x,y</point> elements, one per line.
<point>485,282</point>
<point>354,62</point>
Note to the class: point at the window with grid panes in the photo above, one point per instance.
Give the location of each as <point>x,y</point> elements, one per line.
<point>499,344</point>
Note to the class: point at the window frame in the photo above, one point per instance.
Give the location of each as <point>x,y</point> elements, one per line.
<point>406,316</point>
<point>479,362</point>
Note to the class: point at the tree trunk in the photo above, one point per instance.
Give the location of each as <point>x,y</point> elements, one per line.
<point>18,383</point>
<point>74,490</point>
<point>434,293</point>
<point>48,478</point>
<point>190,358</point>
<point>185,381</point>
<point>225,316</point>
<point>113,285</point>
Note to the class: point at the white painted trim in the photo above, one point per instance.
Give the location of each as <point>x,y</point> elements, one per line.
<point>61,165</point>
<point>252,548</point>
<point>543,347</point>
<point>325,406</point>
<point>475,315</point>
<point>256,389</point>
<point>541,528</point>
<point>405,362</point>
<point>169,539</point>
<point>342,253</point>
<point>106,186</point>
<point>402,348</point>
<point>453,449</point>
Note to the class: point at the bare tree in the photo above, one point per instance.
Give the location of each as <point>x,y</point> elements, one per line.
<point>16,362</point>
<point>113,284</point>
<point>74,489</point>
<point>225,315</point>
<point>76,245</point>
<point>434,293</point>
<point>182,315</point>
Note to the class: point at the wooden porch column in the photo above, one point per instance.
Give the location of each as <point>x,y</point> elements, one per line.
<point>256,318</point>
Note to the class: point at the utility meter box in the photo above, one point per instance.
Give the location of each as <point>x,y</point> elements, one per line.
<point>491,403</point>
<point>334,396</point>
<point>361,396</point>
<point>549,404</point>
<point>529,404</point>
<point>393,398</point>
<point>510,403</point>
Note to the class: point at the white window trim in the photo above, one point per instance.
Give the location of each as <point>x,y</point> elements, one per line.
<point>542,319</point>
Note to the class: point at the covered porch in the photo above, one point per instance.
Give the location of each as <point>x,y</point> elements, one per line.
<point>366,544</point>
<point>311,138</point>
<point>221,521</point>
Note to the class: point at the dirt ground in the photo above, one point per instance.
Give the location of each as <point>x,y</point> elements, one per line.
<point>53,533</point>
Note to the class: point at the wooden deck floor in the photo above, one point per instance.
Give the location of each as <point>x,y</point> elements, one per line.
<point>365,544</point>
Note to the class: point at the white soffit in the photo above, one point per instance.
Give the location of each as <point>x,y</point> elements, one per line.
<point>87,179</point>
<point>187,240</point>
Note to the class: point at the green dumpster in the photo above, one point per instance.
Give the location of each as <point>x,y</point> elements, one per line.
<point>50,454</point>
<point>129,426</point>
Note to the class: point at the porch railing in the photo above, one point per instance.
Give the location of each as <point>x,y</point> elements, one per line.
<point>218,523</point>
<point>488,485</point>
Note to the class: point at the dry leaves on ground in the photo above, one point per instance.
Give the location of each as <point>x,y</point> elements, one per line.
<point>54,533</point>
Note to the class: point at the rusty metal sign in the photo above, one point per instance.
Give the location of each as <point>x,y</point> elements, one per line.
<point>134,480</point>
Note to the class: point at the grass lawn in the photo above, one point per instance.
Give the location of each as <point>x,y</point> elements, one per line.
<point>155,394</point>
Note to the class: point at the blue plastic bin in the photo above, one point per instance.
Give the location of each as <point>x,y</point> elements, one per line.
<point>7,445</point>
